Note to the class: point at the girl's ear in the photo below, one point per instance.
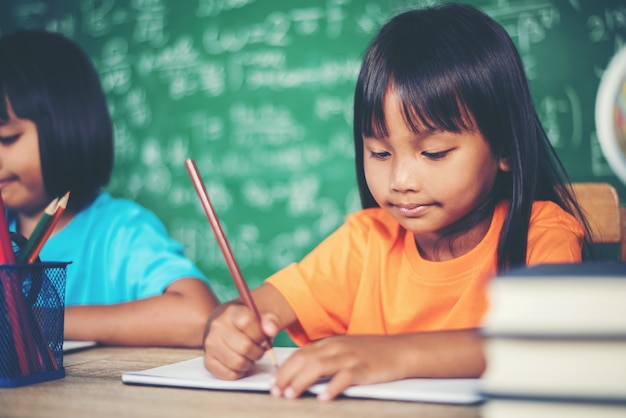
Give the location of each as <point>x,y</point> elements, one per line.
<point>503,164</point>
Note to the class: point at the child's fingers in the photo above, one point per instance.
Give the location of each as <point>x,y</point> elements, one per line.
<point>220,370</point>
<point>269,324</point>
<point>335,387</point>
<point>298,373</point>
<point>238,351</point>
<point>247,323</point>
<point>224,361</point>
<point>233,342</point>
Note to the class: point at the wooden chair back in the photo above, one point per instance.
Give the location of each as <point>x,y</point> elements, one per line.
<point>607,218</point>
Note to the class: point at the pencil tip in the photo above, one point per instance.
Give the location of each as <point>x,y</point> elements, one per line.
<point>52,206</point>
<point>63,200</point>
<point>272,355</point>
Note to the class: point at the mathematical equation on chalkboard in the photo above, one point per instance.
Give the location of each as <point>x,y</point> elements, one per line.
<point>260,94</point>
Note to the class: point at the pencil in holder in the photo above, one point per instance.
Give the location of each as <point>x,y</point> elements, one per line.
<point>32,311</point>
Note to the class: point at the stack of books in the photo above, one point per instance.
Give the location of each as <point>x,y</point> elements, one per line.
<point>555,341</point>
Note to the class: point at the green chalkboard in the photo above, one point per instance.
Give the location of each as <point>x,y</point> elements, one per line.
<point>259,93</point>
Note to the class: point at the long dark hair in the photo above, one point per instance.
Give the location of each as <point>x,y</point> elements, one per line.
<point>456,69</point>
<point>47,78</point>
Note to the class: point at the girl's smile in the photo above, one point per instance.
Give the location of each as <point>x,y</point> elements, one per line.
<point>7,181</point>
<point>411,210</point>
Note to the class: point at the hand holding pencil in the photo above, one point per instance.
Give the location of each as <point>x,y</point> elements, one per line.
<point>241,284</point>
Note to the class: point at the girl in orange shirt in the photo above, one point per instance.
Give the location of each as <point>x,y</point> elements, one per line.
<point>458,182</point>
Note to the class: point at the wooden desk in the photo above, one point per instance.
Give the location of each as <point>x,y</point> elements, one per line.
<point>93,387</point>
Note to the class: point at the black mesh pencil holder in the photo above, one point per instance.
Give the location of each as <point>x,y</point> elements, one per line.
<point>32,302</point>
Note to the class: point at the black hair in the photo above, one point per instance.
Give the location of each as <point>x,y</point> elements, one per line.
<point>456,69</point>
<point>47,78</point>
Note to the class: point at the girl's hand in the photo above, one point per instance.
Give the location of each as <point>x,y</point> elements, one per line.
<point>359,360</point>
<point>234,340</point>
<point>347,360</point>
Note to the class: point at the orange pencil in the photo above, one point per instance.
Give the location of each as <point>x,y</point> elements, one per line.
<point>241,284</point>
<point>49,228</point>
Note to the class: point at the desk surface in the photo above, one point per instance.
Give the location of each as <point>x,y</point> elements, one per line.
<point>93,387</point>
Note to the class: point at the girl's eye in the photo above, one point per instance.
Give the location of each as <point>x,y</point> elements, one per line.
<point>435,155</point>
<point>7,140</point>
<point>379,155</point>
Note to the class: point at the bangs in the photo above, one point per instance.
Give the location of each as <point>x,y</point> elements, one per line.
<point>4,113</point>
<point>16,90</point>
<point>4,100</point>
<point>19,108</point>
<point>426,107</point>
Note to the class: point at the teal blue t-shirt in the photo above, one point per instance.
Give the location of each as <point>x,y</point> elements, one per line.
<point>119,251</point>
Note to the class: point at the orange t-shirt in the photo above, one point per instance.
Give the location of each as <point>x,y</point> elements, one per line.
<point>369,278</point>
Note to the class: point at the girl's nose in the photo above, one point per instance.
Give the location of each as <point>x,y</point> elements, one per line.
<point>404,177</point>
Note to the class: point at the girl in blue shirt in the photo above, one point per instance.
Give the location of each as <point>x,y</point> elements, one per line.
<point>128,282</point>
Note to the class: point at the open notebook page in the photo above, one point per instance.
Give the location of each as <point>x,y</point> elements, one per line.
<point>192,374</point>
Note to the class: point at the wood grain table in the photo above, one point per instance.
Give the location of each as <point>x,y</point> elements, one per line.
<point>93,387</point>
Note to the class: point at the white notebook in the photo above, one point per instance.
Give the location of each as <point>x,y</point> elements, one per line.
<point>71,345</point>
<point>192,374</point>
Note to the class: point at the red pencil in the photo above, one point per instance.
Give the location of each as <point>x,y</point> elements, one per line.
<point>241,284</point>
<point>32,257</point>
<point>6,252</point>
<point>10,288</point>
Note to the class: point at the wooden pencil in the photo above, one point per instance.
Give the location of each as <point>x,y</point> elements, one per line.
<point>54,219</point>
<point>35,237</point>
<point>241,284</point>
